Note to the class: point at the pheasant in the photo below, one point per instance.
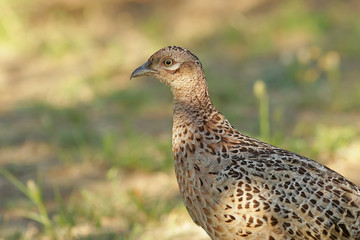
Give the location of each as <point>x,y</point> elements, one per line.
<point>237,187</point>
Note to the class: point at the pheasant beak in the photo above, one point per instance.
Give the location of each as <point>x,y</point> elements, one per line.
<point>143,70</point>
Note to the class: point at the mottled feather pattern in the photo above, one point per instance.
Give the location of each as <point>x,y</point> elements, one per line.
<point>251,178</point>
<point>237,187</point>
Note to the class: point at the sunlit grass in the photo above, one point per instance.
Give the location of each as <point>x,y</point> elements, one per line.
<point>34,193</point>
<point>261,94</point>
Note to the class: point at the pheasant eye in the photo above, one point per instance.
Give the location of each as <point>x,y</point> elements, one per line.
<point>168,62</point>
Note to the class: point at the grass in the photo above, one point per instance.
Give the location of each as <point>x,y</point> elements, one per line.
<point>32,191</point>
<point>263,98</point>
<point>86,153</point>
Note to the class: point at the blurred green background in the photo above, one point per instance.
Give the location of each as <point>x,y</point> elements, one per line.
<point>86,154</point>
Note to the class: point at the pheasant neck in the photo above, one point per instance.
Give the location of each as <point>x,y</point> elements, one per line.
<point>192,107</point>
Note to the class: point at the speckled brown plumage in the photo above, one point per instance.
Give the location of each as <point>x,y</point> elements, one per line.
<point>237,187</point>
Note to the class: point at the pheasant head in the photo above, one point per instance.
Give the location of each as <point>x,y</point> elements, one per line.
<point>178,68</point>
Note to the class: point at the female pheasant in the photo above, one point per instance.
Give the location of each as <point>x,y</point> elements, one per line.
<point>237,187</point>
